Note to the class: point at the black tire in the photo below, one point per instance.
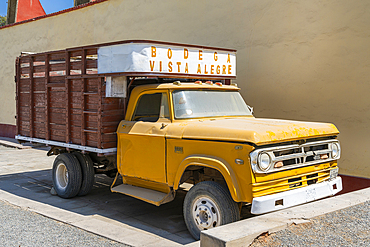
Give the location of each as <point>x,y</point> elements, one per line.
<point>208,205</point>
<point>67,175</point>
<point>88,173</point>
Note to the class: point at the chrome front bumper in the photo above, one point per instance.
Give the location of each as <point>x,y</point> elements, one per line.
<point>269,203</point>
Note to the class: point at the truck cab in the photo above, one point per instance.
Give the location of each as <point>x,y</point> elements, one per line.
<point>204,134</point>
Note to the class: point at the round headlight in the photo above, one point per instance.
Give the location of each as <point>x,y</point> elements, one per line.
<point>334,150</point>
<point>264,161</point>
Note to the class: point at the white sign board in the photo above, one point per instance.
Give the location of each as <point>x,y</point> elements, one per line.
<point>166,59</point>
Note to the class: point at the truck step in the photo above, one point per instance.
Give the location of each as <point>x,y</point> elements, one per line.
<point>154,197</point>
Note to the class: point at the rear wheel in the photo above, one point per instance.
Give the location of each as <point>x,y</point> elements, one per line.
<point>208,205</point>
<point>88,174</point>
<point>67,175</point>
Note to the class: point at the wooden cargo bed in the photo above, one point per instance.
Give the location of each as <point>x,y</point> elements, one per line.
<point>61,101</point>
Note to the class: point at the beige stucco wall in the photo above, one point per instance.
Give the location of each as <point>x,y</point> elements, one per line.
<point>302,60</point>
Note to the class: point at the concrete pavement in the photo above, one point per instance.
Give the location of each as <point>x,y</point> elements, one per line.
<point>25,181</point>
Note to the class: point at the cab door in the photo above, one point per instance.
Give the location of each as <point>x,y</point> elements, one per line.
<point>141,141</point>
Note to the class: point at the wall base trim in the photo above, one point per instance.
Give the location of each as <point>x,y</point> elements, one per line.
<point>352,183</point>
<point>7,130</point>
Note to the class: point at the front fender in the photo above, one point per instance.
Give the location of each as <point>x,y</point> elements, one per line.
<point>212,162</point>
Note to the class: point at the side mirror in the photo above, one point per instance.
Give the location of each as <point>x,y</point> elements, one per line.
<point>250,108</point>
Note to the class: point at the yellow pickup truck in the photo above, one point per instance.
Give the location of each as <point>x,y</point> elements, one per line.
<point>178,123</point>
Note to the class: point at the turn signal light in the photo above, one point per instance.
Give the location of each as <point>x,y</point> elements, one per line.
<point>324,156</point>
<point>278,164</point>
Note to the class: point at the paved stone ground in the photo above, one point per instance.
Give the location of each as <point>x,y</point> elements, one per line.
<point>20,227</point>
<point>346,227</point>
<point>26,175</point>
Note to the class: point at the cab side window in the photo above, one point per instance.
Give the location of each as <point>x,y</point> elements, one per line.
<point>151,107</point>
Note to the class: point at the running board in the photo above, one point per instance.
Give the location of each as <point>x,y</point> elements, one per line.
<point>152,196</point>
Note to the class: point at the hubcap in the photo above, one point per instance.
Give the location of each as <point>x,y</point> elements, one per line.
<point>61,176</point>
<point>205,213</point>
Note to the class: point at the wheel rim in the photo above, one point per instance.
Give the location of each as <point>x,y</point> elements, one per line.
<point>61,176</point>
<point>205,213</point>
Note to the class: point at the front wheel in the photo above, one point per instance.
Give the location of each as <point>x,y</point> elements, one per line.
<point>208,205</point>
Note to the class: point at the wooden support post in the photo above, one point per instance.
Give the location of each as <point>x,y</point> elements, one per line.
<point>31,110</point>
<point>83,120</point>
<point>47,67</point>
<point>100,127</point>
<point>18,81</point>
<point>68,98</point>
<point>83,62</point>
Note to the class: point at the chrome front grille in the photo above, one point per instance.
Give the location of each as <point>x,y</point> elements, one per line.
<point>291,156</point>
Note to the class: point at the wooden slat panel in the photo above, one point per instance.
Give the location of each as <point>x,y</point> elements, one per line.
<point>76,85</point>
<point>51,104</point>
<point>24,99</point>
<point>91,125</point>
<point>39,99</point>
<point>39,87</point>
<point>25,70</point>
<point>58,110</point>
<point>39,117</point>
<point>57,104</point>
<point>25,89</point>
<point>39,69</point>
<point>112,137</point>
<point>108,107</point>
<point>39,126</point>
<point>40,133</point>
<point>56,79</point>
<point>24,60</point>
<point>57,67</point>
<point>57,96</point>
<point>76,65</point>
<point>75,53</point>
<point>111,118</point>
<point>25,115</point>
<point>24,125</point>
<point>92,64</point>
<point>92,51</point>
<point>57,137</point>
<point>56,86</point>
<point>57,131</point>
<point>118,112</point>
<point>57,56</point>
<point>75,140</point>
<point>110,129</point>
<point>39,58</point>
<point>109,145</point>
<point>92,99</point>
<point>24,83</point>
<point>57,118</point>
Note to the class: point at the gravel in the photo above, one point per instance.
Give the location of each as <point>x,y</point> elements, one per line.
<point>20,227</point>
<point>346,227</point>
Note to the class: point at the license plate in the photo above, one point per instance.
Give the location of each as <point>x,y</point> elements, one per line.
<point>334,173</point>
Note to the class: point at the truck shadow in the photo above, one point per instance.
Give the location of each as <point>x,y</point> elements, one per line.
<point>165,221</point>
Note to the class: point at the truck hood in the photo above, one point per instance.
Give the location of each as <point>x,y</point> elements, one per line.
<point>255,130</point>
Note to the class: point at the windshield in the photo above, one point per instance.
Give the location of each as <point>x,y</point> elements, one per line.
<point>198,104</point>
